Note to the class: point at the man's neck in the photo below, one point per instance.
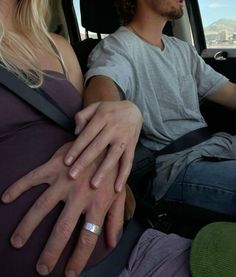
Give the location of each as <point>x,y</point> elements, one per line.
<point>148,27</point>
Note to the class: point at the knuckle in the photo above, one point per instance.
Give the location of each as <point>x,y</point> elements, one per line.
<point>34,174</point>
<point>86,136</point>
<point>118,126</point>
<point>95,145</point>
<point>94,164</point>
<point>49,257</point>
<point>73,152</point>
<point>78,191</point>
<point>102,204</point>
<point>105,113</point>
<point>79,166</point>
<point>57,161</point>
<point>122,145</point>
<point>88,241</point>
<point>43,203</point>
<point>118,148</point>
<point>63,229</point>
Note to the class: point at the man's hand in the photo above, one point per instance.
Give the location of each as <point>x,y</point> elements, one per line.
<point>79,199</point>
<point>105,125</point>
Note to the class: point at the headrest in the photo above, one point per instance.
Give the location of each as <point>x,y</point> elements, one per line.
<point>99,16</point>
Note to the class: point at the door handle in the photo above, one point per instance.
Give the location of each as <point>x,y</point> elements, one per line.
<point>221,56</point>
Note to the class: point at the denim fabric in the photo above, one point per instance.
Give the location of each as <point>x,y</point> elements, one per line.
<point>208,183</point>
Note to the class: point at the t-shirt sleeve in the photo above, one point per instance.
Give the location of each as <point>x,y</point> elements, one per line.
<point>108,60</point>
<point>207,79</point>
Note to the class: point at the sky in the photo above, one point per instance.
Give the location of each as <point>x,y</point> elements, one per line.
<point>212,10</point>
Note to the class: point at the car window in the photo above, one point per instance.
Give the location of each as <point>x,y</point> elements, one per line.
<point>219,22</point>
<point>76,6</point>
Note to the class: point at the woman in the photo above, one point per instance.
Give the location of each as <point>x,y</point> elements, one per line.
<point>28,139</point>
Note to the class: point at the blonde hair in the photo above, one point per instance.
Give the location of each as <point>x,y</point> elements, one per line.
<point>31,18</point>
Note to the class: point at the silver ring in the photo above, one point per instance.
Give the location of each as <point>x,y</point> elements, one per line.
<point>93,228</point>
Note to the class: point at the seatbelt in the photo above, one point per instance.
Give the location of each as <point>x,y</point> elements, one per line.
<point>186,141</point>
<point>144,159</point>
<point>36,98</point>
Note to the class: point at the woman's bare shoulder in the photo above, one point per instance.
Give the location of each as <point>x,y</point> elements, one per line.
<point>70,60</point>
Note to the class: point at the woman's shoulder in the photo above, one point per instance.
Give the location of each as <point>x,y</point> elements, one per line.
<point>61,43</point>
<point>70,60</point>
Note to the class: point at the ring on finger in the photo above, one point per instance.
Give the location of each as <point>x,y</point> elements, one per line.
<point>93,228</point>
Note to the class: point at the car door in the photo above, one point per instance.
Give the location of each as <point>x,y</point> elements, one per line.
<point>213,25</point>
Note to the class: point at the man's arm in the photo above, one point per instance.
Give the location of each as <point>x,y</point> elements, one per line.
<point>226,95</point>
<point>101,88</point>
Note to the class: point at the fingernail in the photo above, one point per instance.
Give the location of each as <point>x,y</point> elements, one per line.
<point>71,273</point>
<point>17,241</point>
<point>113,244</point>
<point>69,160</point>
<point>77,130</point>
<point>118,188</point>
<point>42,269</point>
<point>6,198</point>
<point>95,185</point>
<point>74,172</point>
<point>96,182</point>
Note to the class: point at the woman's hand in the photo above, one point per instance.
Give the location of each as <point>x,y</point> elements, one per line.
<point>112,125</point>
<point>79,199</point>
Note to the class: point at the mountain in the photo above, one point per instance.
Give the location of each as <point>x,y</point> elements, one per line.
<point>220,25</point>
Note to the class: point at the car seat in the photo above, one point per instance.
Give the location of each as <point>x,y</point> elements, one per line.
<point>99,17</point>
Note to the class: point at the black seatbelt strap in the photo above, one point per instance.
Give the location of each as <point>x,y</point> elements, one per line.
<point>144,159</point>
<point>186,141</point>
<point>37,98</point>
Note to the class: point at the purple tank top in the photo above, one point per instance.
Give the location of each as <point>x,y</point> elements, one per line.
<point>28,139</point>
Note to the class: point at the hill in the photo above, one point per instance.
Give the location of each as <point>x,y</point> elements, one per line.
<point>220,25</point>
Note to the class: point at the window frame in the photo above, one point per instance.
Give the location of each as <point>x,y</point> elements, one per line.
<point>198,33</point>
<point>71,21</point>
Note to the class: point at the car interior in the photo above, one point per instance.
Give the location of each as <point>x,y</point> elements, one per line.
<point>100,18</point>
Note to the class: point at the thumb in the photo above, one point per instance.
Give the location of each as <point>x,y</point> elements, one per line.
<point>84,116</point>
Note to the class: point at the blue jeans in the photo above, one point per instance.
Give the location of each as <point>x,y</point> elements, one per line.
<point>209,184</point>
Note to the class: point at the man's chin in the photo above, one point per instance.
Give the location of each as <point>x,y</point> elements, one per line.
<point>175,15</point>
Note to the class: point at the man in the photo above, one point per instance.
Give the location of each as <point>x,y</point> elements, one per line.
<point>166,79</point>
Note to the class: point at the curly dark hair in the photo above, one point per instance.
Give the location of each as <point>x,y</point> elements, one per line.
<point>126,10</point>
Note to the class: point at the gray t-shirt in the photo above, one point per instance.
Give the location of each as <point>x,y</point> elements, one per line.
<point>167,85</point>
